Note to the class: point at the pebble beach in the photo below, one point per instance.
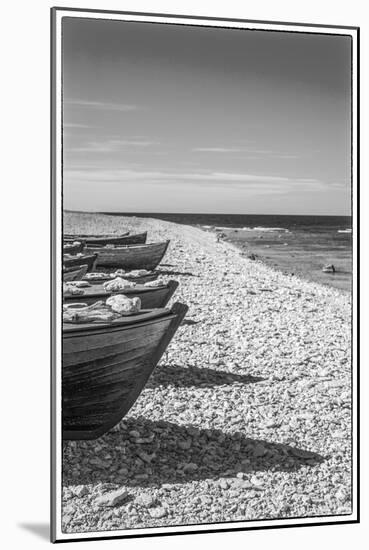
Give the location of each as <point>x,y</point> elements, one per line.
<point>248,414</point>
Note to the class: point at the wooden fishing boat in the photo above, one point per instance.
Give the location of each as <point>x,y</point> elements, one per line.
<point>74,274</point>
<point>81,259</point>
<point>151,297</point>
<point>141,256</point>
<point>106,366</point>
<point>103,240</point>
<point>103,277</point>
<point>74,247</point>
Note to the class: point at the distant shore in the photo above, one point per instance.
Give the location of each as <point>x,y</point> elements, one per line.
<point>248,414</point>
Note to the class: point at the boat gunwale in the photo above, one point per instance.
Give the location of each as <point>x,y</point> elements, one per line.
<point>126,322</point>
<point>75,236</point>
<point>141,289</point>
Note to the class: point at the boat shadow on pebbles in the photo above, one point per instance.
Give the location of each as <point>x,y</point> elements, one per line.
<point>144,453</point>
<point>178,376</point>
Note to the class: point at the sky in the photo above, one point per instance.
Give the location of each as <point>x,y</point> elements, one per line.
<point>175,118</point>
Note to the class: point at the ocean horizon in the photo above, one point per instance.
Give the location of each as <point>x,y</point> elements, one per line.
<point>197,218</point>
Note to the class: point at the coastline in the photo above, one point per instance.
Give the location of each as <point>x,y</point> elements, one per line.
<point>285,253</point>
<point>250,405</point>
<point>294,245</point>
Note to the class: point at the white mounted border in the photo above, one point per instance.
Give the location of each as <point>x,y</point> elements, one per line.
<point>57,15</point>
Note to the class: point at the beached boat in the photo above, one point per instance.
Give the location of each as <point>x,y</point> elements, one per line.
<point>80,259</point>
<point>151,297</point>
<point>74,247</point>
<point>103,240</point>
<point>141,256</point>
<point>76,236</point>
<point>106,366</point>
<point>102,277</point>
<point>74,273</point>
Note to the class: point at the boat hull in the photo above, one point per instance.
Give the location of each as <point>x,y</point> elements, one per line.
<point>145,256</point>
<point>73,248</point>
<point>106,367</point>
<point>87,259</point>
<point>151,298</point>
<point>72,274</point>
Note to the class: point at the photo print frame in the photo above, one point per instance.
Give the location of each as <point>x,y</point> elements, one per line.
<point>204,264</point>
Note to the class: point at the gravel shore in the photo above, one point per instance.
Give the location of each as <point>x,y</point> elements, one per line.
<point>248,414</point>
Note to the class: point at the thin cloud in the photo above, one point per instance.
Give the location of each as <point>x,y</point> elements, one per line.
<point>112,146</point>
<point>73,125</point>
<point>245,151</point>
<point>218,150</point>
<point>254,183</point>
<point>232,150</point>
<point>101,105</point>
<point>338,185</point>
<point>283,156</point>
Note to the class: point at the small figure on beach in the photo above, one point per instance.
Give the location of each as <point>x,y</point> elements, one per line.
<point>329,269</point>
<point>220,236</point>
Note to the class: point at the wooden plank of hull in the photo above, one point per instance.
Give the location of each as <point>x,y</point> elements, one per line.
<point>78,398</point>
<point>150,297</point>
<point>72,274</point>
<point>87,259</point>
<point>97,393</point>
<point>102,240</point>
<point>97,358</point>
<point>93,347</point>
<point>145,256</point>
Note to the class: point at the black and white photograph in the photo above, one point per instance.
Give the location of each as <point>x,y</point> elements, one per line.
<point>204,201</point>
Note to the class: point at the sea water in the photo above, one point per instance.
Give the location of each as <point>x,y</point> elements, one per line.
<point>299,245</point>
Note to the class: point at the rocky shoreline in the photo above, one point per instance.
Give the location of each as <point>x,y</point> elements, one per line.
<point>302,254</point>
<point>248,414</point>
